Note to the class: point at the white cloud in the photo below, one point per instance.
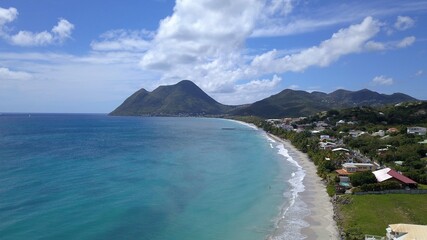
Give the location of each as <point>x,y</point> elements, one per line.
<point>59,33</point>
<point>249,92</point>
<point>203,41</point>
<point>201,30</point>
<point>259,85</point>
<point>329,15</point>
<point>403,23</point>
<point>123,40</point>
<point>7,15</point>
<point>7,74</point>
<point>382,80</point>
<point>345,41</point>
<point>406,42</point>
<point>62,30</point>
<point>375,46</point>
<point>419,73</point>
<point>281,7</point>
<point>293,87</point>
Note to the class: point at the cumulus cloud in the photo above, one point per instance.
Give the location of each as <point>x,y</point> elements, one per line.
<point>251,91</point>
<point>345,41</point>
<point>259,85</point>
<point>403,23</point>
<point>7,74</point>
<point>59,33</point>
<point>123,40</point>
<point>201,30</point>
<point>406,42</point>
<point>382,80</point>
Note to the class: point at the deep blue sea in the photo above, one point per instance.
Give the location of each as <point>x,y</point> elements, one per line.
<point>71,176</point>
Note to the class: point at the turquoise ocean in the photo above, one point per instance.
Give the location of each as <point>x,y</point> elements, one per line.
<point>83,176</point>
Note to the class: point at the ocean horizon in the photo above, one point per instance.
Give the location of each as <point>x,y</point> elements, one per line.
<point>94,176</point>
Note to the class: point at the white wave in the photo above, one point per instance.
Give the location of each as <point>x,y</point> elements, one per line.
<point>243,123</point>
<point>271,145</point>
<point>292,215</point>
<point>270,139</point>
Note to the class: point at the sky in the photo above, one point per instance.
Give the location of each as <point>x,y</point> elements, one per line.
<point>89,56</point>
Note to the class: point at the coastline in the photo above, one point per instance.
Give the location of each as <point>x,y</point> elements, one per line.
<point>321,224</point>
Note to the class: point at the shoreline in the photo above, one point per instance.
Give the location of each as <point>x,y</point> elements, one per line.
<point>320,220</point>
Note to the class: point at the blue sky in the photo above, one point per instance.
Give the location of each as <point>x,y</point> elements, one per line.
<point>88,56</point>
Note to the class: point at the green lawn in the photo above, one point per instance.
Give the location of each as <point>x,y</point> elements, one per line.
<point>370,214</point>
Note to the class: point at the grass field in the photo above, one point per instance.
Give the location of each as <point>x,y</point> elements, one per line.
<point>370,214</point>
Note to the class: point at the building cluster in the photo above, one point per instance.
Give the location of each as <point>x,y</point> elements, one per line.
<point>351,161</point>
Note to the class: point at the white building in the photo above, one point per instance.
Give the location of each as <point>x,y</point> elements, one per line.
<point>406,232</point>
<point>416,130</point>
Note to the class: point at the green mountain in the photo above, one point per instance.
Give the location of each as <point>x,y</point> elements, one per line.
<point>183,98</point>
<point>293,103</point>
<point>186,98</point>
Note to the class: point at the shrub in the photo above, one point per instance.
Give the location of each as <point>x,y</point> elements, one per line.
<point>362,178</point>
<point>381,186</point>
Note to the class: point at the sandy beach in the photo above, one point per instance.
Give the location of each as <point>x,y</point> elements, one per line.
<point>322,224</point>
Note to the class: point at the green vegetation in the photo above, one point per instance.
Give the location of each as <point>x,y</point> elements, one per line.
<point>183,98</point>
<point>362,178</point>
<point>292,103</point>
<point>371,214</point>
<point>368,214</point>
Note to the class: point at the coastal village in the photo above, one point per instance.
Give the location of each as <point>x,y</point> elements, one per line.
<point>361,155</point>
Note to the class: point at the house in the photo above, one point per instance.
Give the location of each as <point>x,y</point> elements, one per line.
<point>321,124</point>
<point>327,145</point>
<point>392,130</point>
<point>358,167</point>
<point>416,130</point>
<point>350,168</point>
<point>340,149</point>
<point>388,174</point>
<point>380,133</point>
<point>287,127</point>
<point>340,122</point>
<point>406,231</point>
<point>423,142</point>
<point>355,133</point>
<point>324,137</point>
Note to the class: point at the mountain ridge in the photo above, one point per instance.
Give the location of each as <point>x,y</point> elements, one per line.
<point>186,98</point>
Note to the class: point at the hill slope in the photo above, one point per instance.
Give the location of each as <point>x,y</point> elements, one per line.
<point>292,103</point>
<point>184,97</point>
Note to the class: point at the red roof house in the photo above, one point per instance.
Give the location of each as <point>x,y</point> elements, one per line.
<point>387,173</point>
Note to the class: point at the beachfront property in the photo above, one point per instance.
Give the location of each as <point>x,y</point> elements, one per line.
<point>416,130</point>
<point>358,167</point>
<point>406,232</point>
<point>388,174</point>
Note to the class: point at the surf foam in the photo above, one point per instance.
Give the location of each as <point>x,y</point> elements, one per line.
<point>291,219</point>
